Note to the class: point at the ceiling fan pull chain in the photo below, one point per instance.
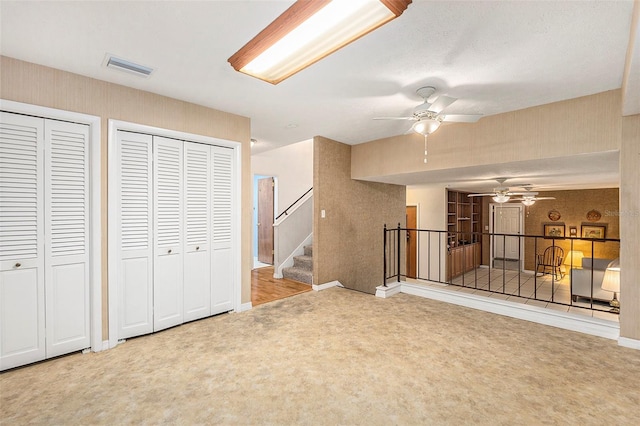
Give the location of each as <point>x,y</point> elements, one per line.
<point>425,149</point>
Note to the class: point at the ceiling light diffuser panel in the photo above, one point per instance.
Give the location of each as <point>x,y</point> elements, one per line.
<point>308,31</point>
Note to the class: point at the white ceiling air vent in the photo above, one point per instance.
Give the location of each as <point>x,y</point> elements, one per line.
<point>127,66</point>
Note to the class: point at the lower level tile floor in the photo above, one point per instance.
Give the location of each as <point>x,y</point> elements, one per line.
<point>524,287</point>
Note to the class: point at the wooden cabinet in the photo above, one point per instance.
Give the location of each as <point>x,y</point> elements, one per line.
<point>463,258</point>
<point>464,232</point>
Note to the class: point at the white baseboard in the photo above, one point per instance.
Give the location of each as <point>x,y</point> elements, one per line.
<point>629,343</point>
<point>388,290</point>
<point>565,320</point>
<point>244,307</point>
<point>105,345</point>
<point>319,287</point>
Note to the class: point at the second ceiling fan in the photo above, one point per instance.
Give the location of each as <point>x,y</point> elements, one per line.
<point>502,194</point>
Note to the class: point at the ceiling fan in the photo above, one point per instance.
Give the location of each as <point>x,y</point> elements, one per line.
<point>428,116</point>
<point>529,198</point>
<point>502,194</point>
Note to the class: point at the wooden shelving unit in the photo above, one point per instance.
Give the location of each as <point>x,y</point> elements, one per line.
<point>464,228</point>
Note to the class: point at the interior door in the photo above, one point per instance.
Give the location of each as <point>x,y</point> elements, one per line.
<point>22,319</point>
<point>135,219</point>
<point>506,221</point>
<point>197,224</point>
<point>67,291</point>
<point>168,238</point>
<point>222,259</point>
<point>412,241</point>
<point>265,220</point>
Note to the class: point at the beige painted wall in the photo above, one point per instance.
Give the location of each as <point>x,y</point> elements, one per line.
<point>432,203</point>
<point>348,242</point>
<point>292,165</point>
<point>588,124</point>
<point>630,228</point>
<point>34,84</point>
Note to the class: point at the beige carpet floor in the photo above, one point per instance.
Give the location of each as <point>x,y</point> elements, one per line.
<point>337,357</point>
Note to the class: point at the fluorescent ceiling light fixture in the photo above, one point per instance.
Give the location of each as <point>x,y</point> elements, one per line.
<point>308,31</point>
<point>128,66</point>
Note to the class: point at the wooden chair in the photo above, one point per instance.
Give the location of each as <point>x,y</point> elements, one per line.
<point>550,261</point>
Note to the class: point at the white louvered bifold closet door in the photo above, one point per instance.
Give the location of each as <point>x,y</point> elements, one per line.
<point>222,254</point>
<point>22,320</point>
<point>169,239</point>
<point>197,249</point>
<point>67,237</point>
<point>134,224</point>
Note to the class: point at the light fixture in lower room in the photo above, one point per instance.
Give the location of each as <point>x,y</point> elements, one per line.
<point>611,282</point>
<point>128,66</point>
<point>528,201</point>
<point>501,198</point>
<point>307,32</point>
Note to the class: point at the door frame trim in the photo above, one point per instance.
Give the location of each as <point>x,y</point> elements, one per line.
<point>95,222</point>
<point>112,237</point>
<point>492,209</point>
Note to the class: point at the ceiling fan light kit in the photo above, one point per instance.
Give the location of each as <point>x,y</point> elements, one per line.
<point>501,198</point>
<point>426,127</point>
<point>307,32</point>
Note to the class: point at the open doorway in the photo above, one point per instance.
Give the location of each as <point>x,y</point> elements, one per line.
<point>412,242</point>
<point>506,251</point>
<point>264,190</point>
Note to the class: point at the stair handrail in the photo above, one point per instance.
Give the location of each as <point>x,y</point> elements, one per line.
<point>286,211</point>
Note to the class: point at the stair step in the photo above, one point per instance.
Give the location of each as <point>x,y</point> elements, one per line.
<point>303,262</point>
<point>308,250</point>
<point>297,274</point>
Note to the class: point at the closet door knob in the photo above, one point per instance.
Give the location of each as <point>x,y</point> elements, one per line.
<point>18,265</point>
<point>169,251</point>
<point>198,248</point>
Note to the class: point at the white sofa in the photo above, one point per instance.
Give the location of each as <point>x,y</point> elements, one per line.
<point>581,280</point>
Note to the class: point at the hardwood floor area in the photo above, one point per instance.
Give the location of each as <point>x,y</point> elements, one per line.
<point>265,288</point>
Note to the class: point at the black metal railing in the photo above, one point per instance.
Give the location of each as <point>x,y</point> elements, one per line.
<point>286,211</point>
<point>442,258</point>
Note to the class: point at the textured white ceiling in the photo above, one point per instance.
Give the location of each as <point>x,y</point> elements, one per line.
<point>495,56</point>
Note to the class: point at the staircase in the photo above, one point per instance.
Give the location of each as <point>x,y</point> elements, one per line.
<point>302,269</point>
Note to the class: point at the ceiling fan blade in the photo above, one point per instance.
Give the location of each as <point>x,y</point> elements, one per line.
<point>529,193</point>
<point>396,118</point>
<point>462,118</point>
<point>490,194</point>
<point>545,198</point>
<point>441,103</point>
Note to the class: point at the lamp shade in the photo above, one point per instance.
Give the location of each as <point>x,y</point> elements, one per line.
<point>574,258</point>
<point>528,202</point>
<point>611,279</point>
<point>426,126</point>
